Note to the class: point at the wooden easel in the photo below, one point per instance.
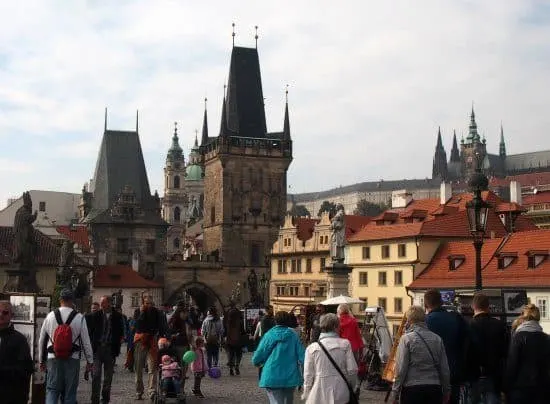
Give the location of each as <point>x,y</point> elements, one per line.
<point>389,371</point>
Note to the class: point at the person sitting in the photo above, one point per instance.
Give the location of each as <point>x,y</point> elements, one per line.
<point>171,376</point>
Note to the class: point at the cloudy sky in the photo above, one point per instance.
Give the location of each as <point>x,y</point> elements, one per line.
<point>369,81</point>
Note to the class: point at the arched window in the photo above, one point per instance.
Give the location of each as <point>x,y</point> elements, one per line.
<point>177,214</point>
<point>176,243</point>
<point>177,181</point>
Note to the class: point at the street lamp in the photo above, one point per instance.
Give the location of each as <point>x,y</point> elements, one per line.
<point>477,210</point>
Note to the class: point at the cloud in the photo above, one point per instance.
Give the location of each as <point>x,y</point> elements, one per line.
<point>370,81</point>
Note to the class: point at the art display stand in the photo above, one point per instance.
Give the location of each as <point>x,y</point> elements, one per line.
<point>29,312</point>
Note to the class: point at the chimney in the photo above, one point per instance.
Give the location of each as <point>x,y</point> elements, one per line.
<point>515,192</point>
<point>445,192</point>
<point>400,199</point>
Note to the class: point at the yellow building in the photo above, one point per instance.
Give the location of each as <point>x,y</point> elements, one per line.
<point>299,257</point>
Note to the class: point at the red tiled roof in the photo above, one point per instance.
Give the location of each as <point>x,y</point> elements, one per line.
<point>78,234</point>
<point>373,232</point>
<point>505,207</point>
<point>355,223</point>
<point>526,180</point>
<point>121,276</point>
<point>438,274</point>
<point>47,252</point>
<point>539,197</point>
<point>304,227</point>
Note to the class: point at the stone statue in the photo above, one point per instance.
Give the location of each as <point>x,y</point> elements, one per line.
<point>67,254</point>
<point>23,231</point>
<point>253,286</point>
<point>338,237</point>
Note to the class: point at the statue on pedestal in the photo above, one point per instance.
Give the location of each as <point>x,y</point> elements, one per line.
<point>338,237</point>
<point>253,287</point>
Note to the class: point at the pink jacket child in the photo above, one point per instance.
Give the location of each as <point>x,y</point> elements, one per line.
<point>170,368</point>
<point>199,365</point>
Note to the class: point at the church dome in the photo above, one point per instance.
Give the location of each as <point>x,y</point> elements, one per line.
<point>193,172</point>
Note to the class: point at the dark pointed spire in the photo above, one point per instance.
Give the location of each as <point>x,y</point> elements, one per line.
<point>233,34</point>
<point>439,144</point>
<point>502,145</point>
<point>204,138</point>
<point>137,120</point>
<point>196,138</point>
<point>439,168</point>
<point>473,135</point>
<point>175,152</point>
<point>455,154</point>
<point>223,123</point>
<point>286,128</point>
<point>105,123</point>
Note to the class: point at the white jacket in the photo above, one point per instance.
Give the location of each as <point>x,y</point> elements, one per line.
<point>322,382</point>
<point>79,330</point>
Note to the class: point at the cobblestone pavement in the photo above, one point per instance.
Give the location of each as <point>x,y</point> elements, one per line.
<point>226,390</point>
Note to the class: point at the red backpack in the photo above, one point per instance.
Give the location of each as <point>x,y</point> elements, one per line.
<point>63,343</point>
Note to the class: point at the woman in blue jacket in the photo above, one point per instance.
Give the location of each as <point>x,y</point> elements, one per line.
<point>281,356</point>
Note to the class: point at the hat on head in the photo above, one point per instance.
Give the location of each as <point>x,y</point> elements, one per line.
<point>66,295</point>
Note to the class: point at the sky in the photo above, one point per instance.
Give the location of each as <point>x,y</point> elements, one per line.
<point>369,81</point>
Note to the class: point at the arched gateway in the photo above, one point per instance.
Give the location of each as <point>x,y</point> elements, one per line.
<point>202,294</point>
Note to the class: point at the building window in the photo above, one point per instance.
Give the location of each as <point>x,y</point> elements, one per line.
<point>505,261</point>
<point>382,278</point>
<point>255,254</point>
<point>385,251</point>
<point>280,290</point>
<point>402,250</point>
<point>284,266</point>
<point>122,246</point>
<point>176,181</point>
<point>299,265</point>
<point>326,239</point>
<point>366,253</point>
<point>135,300</point>
<point>150,247</point>
<point>293,268</point>
<point>213,215</point>
<point>455,261</point>
<point>395,330</point>
<point>308,265</point>
<point>398,278</point>
<point>398,305</point>
<point>363,278</point>
<point>382,302</point>
<point>150,270</point>
<point>293,290</point>
<point>534,260</point>
<point>542,304</point>
<point>322,291</point>
<point>176,243</point>
<point>177,214</point>
<point>363,305</point>
<point>323,264</point>
<point>42,206</point>
<point>306,291</point>
<point>280,267</point>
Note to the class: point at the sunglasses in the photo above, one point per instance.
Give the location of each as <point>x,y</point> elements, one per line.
<point>5,312</point>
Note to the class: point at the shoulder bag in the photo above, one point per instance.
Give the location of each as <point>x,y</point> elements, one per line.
<point>352,397</point>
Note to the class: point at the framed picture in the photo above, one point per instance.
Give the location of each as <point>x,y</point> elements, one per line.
<point>42,306</point>
<point>514,300</point>
<point>23,308</point>
<point>28,331</point>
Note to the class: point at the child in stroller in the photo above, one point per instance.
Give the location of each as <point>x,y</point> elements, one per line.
<point>170,373</point>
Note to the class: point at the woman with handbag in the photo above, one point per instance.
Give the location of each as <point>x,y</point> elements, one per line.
<point>330,369</point>
<point>421,369</point>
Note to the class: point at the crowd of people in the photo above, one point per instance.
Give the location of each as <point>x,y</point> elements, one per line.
<point>442,357</point>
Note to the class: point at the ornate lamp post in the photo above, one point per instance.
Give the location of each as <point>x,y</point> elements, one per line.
<point>477,210</point>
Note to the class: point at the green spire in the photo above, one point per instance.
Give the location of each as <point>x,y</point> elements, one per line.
<point>473,135</point>
<point>175,152</point>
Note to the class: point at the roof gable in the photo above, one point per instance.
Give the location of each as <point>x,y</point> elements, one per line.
<point>121,276</point>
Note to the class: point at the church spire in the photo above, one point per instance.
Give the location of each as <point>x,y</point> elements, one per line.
<point>439,168</point>
<point>204,138</point>
<point>223,124</point>
<point>175,152</point>
<point>455,154</point>
<point>286,129</point>
<point>502,145</point>
<point>439,141</point>
<point>473,135</point>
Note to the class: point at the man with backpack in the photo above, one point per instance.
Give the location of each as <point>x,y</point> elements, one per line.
<point>63,339</point>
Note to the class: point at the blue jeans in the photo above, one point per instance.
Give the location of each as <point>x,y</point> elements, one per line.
<point>212,355</point>
<point>483,391</point>
<point>62,380</point>
<point>171,385</point>
<point>280,396</point>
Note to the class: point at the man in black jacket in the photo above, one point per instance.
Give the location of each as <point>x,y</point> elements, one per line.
<point>16,365</point>
<point>488,351</point>
<point>106,333</point>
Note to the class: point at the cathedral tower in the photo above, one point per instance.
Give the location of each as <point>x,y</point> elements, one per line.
<point>245,171</point>
<point>174,203</point>
<point>473,149</point>
<point>439,168</point>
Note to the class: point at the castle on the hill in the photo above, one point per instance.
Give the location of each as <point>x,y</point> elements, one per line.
<point>462,162</point>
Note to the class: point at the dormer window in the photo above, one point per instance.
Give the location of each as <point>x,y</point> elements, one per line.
<point>455,261</point>
<point>506,259</point>
<point>535,258</point>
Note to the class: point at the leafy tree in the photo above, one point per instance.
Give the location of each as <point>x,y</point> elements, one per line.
<point>299,210</point>
<point>329,207</point>
<point>366,208</point>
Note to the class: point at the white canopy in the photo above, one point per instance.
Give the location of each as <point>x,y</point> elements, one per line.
<point>341,300</point>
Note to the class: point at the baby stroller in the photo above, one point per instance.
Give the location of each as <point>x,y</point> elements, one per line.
<point>164,396</point>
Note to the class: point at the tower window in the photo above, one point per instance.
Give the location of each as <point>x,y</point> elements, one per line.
<point>176,243</point>
<point>177,214</point>
<point>177,181</point>
<point>42,206</point>
<point>255,254</point>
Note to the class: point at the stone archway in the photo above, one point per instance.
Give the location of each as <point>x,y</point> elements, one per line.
<point>202,295</point>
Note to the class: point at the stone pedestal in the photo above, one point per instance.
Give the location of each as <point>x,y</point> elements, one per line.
<point>338,279</point>
<point>21,281</point>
